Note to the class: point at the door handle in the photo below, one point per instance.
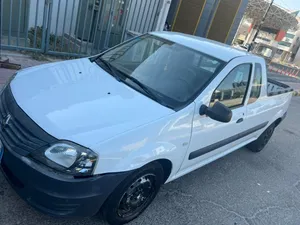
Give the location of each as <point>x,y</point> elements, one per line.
<point>240,120</point>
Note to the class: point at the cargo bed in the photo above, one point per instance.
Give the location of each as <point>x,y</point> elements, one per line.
<point>277,88</point>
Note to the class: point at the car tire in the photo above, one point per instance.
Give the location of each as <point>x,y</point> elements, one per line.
<point>133,195</point>
<point>259,144</point>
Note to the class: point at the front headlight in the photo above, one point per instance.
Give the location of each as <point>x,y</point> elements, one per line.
<point>68,158</point>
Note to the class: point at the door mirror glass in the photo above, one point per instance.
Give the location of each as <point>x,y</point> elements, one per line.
<point>218,112</point>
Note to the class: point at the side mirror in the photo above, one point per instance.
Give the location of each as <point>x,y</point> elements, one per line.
<point>218,112</point>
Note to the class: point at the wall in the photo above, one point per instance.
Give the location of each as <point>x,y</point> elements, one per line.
<point>36,8</point>
<point>226,20</point>
<point>58,12</point>
<point>296,42</point>
<point>219,19</point>
<point>296,48</point>
<point>36,11</point>
<point>187,16</point>
<point>16,7</point>
<point>286,42</point>
<point>237,21</point>
<point>207,16</point>
<point>297,59</point>
<point>142,15</point>
<point>172,11</point>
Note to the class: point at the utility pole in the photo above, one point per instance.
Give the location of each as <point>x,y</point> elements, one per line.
<point>260,25</point>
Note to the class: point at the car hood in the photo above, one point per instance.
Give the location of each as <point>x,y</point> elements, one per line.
<point>76,100</point>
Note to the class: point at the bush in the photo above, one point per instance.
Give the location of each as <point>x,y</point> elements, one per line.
<point>39,35</point>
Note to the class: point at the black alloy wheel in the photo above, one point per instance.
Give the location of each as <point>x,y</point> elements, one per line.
<point>262,141</point>
<point>134,194</point>
<point>137,196</point>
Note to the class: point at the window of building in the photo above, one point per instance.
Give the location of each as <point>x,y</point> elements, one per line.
<point>233,89</point>
<point>264,39</point>
<point>288,35</point>
<point>256,84</point>
<point>284,43</point>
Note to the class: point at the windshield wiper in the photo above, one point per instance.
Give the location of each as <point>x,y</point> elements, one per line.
<point>143,87</point>
<point>115,72</point>
<point>111,69</point>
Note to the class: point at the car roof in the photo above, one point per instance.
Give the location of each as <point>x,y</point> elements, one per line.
<point>209,47</point>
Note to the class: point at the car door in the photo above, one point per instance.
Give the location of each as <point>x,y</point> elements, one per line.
<point>211,138</point>
<point>261,109</point>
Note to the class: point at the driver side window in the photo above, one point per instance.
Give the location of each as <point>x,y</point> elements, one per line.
<point>233,89</point>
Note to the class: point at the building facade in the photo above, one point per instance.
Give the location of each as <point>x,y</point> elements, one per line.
<point>214,19</point>
<point>289,46</point>
<point>277,37</point>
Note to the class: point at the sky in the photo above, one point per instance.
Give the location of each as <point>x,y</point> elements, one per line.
<point>289,4</point>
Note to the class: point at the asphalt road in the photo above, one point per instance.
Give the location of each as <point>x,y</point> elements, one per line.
<point>283,78</point>
<point>239,189</point>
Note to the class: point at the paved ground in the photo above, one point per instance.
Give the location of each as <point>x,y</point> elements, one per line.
<point>25,60</point>
<point>18,58</point>
<point>242,188</point>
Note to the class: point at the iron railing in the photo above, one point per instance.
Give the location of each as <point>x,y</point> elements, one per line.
<point>74,27</point>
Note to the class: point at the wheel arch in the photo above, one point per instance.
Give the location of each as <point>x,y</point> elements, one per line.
<point>167,167</point>
<point>277,122</point>
<point>279,119</point>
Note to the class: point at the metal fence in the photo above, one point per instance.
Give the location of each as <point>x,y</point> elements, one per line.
<point>73,27</point>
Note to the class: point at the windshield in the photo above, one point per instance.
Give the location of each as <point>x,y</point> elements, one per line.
<point>173,73</point>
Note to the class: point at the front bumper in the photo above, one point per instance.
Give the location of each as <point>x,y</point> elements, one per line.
<point>57,194</point>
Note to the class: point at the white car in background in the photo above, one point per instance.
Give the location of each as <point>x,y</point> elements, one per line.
<point>241,47</point>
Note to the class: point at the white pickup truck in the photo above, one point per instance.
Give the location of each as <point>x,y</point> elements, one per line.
<point>104,133</point>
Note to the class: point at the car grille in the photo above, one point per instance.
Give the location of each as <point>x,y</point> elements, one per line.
<point>17,131</point>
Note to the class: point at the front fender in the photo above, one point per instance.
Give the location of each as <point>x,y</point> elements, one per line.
<point>167,138</point>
